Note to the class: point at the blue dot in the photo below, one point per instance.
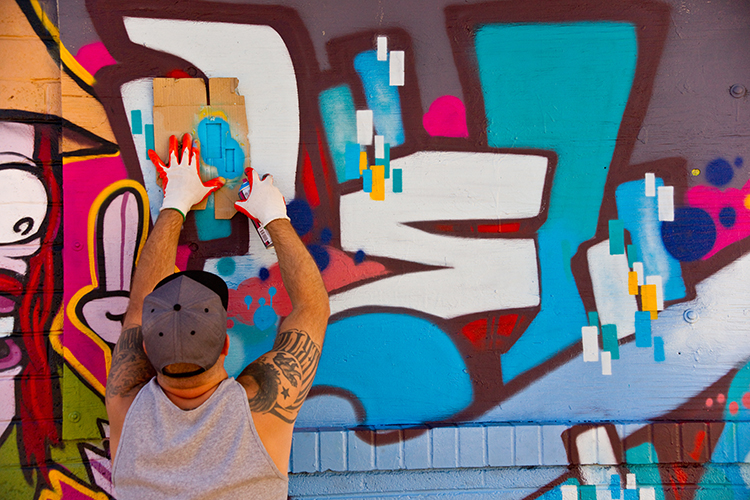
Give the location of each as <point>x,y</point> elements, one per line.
<point>225,266</point>
<point>320,255</point>
<point>738,162</point>
<point>264,273</point>
<point>325,236</point>
<point>727,216</point>
<point>301,215</point>
<point>248,301</point>
<point>690,236</point>
<point>719,172</point>
<point>359,257</point>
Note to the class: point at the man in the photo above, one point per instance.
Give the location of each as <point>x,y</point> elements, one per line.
<point>179,427</point>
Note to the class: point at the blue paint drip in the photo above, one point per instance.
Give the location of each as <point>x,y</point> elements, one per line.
<point>719,172</point>
<point>615,486</point>
<point>246,344</point>
<point>579,120</point>
<point>367,181</point>
<point>340,124</point>
<point>301,216</point>
<point>371,355</point>
<point>642,329</point>
<point>728,216</point>
<point>690,236</point>
<point>320,256</point>
<point>359,257</point>
<point>149,133</point>
<point>659,349</point>
<point>738,162</point>
<point>382,98</point>
<point>325,236</point>
<point>264,274</point>
<point>352,162</point>
<point>209,227</point>
<point>640,214</point>
<point>219,149</point>
<point>136,121</point>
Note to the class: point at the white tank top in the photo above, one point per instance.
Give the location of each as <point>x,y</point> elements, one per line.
<point>211,452</point>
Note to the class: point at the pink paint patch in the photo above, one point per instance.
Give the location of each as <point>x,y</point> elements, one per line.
<point>183,255</point>
<point>713,201</point>
<point>83,181</point>
<point>94,57</point>
<point>746,400</point>
<point>446,118</point>
<point>734,407</point>
<point>709,402</point>
<point>720,398</point>
<point>72,493</point>
<point>341,272</point>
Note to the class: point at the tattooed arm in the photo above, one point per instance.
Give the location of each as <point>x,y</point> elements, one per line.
<point>130,369</point>
<point>278,382</point>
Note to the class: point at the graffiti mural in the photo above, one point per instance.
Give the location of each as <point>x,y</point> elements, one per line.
<point>506,233</point>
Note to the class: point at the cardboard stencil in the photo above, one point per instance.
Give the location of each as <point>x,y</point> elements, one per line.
<point>218,124</point>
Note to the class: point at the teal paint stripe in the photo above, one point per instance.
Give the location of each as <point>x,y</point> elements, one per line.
<point>593,318</point>
<point>616,237</point>
<point>609,340</point>
<point>386,161</point>
<point>136,121</point>
<point>633,255</point>
<point>397,187</point>
<point>149,130</point>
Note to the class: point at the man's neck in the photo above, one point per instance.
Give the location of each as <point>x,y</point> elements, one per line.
<point>189,399</point>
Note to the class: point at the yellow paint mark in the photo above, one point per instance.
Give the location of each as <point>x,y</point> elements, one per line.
<point>362,162</point>
<point>633,283</point>
<point>208,112</point>
<point>65,56</point>
<point>648,298</point>
<point>696,172</point>
<point>75,159</point>
<point>57,479</point>
<point>654,315</point>
<point>71,307</point>
<point>378,183</point>
<point>747,202</point>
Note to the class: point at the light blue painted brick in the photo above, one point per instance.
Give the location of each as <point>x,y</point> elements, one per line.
<point>553,447</point>
<point>742,439</point>
<point>444,447</point>
<point>388,453</point>
<point>527,445</point>
<point>500,446</point>
<point>417,444</point>
<point>726,453</point>
<point>472,446</point>
<point>361,452</point>
<point>305,452</point>
<point>333,451</point>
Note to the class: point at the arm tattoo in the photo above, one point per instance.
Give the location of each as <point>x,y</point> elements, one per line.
<point>295,359</point>
<point>130,368</point>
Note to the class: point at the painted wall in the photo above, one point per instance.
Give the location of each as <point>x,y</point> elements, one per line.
<point>531,217</point>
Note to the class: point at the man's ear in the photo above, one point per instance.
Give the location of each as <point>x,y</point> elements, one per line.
<point>225,350</point>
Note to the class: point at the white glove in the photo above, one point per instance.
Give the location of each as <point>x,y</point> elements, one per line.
<point>181,180</point>
<point>264,203</point>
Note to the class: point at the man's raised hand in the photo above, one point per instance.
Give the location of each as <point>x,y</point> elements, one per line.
<point>265,203</point>
<point>181,180</point>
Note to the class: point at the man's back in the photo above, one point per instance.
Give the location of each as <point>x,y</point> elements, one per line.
<point>212,451</point>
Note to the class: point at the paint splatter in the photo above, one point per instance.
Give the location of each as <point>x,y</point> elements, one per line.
<point>719,172</point>
<point>446,118</point>
<point>690,236</point>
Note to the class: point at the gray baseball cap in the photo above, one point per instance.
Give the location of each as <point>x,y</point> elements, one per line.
<point>184,321</point>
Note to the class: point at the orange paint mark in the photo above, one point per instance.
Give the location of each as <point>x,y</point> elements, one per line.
<point>648,298</point>
<point>633,283</point>
<point>362,162</point>
<point>378,183</point>
<point>698,447</point>
<point>512,227</point>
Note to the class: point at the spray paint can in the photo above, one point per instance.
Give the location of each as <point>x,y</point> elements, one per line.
<point>262,233</point>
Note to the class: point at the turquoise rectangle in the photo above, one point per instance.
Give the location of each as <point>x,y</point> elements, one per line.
<point>593,318</point>
<point>136,121</point>
<point>338,113</point>
<point>352,161</point>
<point>633,255</point>
<point>367,181</point>
<point>609,340</point>
<point>397,187</point>
<point>642,329</point>
<point>659,349</point>
<point>616,237</point>
<point>149,131</point>
<point>386,160</point>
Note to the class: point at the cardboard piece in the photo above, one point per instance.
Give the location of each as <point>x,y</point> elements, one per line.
<point>180,104</point>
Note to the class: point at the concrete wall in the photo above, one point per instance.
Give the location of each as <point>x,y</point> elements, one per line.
<point>531,217</point>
